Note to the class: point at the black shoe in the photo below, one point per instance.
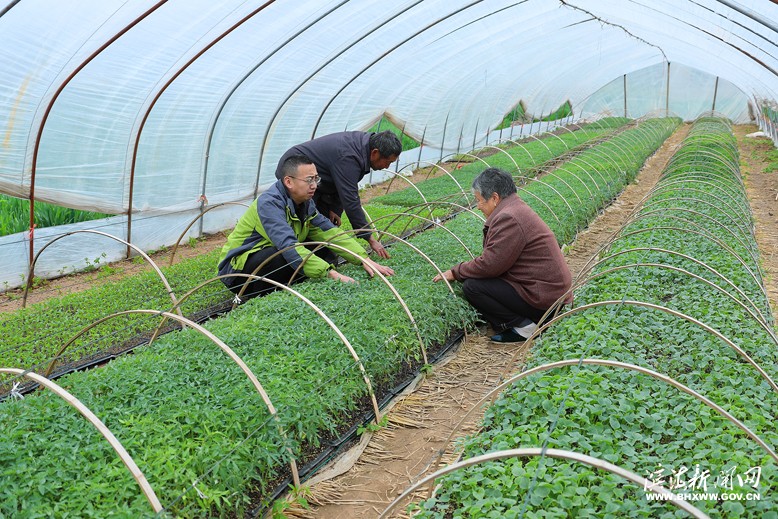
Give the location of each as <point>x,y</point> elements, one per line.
<point>508,335</point>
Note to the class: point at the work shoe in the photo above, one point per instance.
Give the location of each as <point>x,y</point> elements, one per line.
<point>509,335</point>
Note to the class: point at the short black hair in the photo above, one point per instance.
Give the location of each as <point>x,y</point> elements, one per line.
<point>494,180</point>
<point>290,165</point>
<point>387,144</point>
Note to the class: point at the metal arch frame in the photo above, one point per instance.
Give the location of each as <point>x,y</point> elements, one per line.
<point>313,307</point>
<point>218,342</point>
<point>533,179</point>
<point>614,142</point>
<point>491,147</point>
<point>459,161</point>
<point>433,222</point>
<point>552,134</point>
<point>447,173</point>
<point>686,186</point>
<point>688,158</point>
<point>551,453</point>
<point>65,395</point>
<point>458,206</point>
<point>101,233</point>
<point>520,145</point>
<point>135,139</point>
<point>542,202</point>
<point>759,319</point>
<point>413,185</point>
<point>620,169</point>
<point>699,176</point>
<point>564,167</point>
<point>55,96</point>
<point>584,277</point>
<point>553,173</point>
<point>333,245</point>
<point>226,98</point>
<point>628,302</point>
<point>738,224</point>
<point>671,210</point>
<point>705,235</point>
<point>611,364</point>
<point>198,217</point>
<point>579,158</point>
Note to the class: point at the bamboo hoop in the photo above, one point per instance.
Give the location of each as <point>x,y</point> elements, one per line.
<point>552,188</point>
<point>223,346</point>
<point>61,392</point>
<point>651,306</point>
<point>742,204</point>
<point>584,279</point>
<point>662,377</point>
<point>551,453</point>
<point>433,222</point>
<point>100,233</point>
<point>198,217</point>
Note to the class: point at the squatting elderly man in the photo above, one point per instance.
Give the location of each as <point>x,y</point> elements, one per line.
<point>521,271</point>
<point>285,216</point>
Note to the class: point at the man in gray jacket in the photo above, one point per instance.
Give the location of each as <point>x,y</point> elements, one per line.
<point>342,160</point>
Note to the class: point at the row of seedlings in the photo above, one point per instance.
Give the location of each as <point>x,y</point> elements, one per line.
<point>204,438</point>
<point>34,335</point>
<point>662,374</point>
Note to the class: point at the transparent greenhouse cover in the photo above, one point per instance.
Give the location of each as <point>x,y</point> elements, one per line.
<point>154,111</point>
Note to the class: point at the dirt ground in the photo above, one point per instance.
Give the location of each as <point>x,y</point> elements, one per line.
<point>420,424</point>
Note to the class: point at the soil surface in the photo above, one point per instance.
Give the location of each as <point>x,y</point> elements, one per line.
<point>762,191</point>
<point>420,425</point>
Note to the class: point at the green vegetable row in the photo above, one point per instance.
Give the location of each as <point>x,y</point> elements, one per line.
<point>192,421</point>
<point>33,336</point>
<point>696,223</point>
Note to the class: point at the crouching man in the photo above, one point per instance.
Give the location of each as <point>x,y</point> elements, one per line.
<point>521,271</point>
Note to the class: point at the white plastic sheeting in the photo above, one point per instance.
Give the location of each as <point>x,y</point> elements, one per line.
<point>142,108</point>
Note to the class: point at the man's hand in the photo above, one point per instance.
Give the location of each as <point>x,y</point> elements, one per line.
<point>371,267</point>
<point>337,276</point>
<point>335,218</point>
<point>447,275</point>
<point>377,247</point>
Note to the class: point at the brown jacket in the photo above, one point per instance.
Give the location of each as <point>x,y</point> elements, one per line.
<point>521,249</point>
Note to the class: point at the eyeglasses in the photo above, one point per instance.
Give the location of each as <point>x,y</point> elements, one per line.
<point>309,180</point>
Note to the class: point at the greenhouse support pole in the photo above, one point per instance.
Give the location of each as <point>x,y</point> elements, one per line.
<point>443,140</point>
<point>421,144</point>
<point>667,92</point>
<point>488,129</point>
<point>459,142</point>
<point>475,132</point>
<point>715,93</point>
<point>55,96</point>
<point>625,95</point>
<point>402,134</point>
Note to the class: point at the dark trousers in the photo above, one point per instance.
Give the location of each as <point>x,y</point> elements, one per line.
<point>277,270</point>
<point>499,303</point>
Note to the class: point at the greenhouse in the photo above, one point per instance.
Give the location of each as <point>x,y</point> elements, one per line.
<point>142,141</point>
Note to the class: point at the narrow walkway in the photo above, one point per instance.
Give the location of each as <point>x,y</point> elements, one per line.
<point>403,452</point>
<point>762,191</point>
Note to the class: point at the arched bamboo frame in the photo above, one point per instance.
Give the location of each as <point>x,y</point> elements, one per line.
<point>579,158</point>
<point>674,313</point>
<point>447,173</point>
<point>475,158</point>
<point>704,233</point>
<point>524,148</point>
<point>724,175</point>
<point>552,188</point>
<point>194,221</point>
<point>533,195</point>
<point>685,186</point>
<point>564,168</point>
<point>218,342</point>
<point>584,278</point>
<point>621,153</point>
<point>101,233</point>
<point>61,392</point>
<point>490,397</point>
<point>648,210</point>
<point>538,139</point>
<point>557,137</point>
<point>620,170</point>
<point>437,225</point>
<point>313,306</point>
<point>460,207</point>
<point>699,176</point>
<point>551,453</point>
<point>391,287</point>
<point>500,150</point>
<point>554,173</point>
<point>686,158</point>
<point>758,318</point>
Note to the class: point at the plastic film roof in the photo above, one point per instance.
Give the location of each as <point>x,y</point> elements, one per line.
<point>144,107</point>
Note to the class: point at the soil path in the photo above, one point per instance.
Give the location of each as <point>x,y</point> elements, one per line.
<point>762,191</point>
<point>420,424</point>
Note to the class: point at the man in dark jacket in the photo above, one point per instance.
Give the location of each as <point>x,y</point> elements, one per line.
<point>521,272</point>
<point>285,216</point>
<point>342,160</point>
